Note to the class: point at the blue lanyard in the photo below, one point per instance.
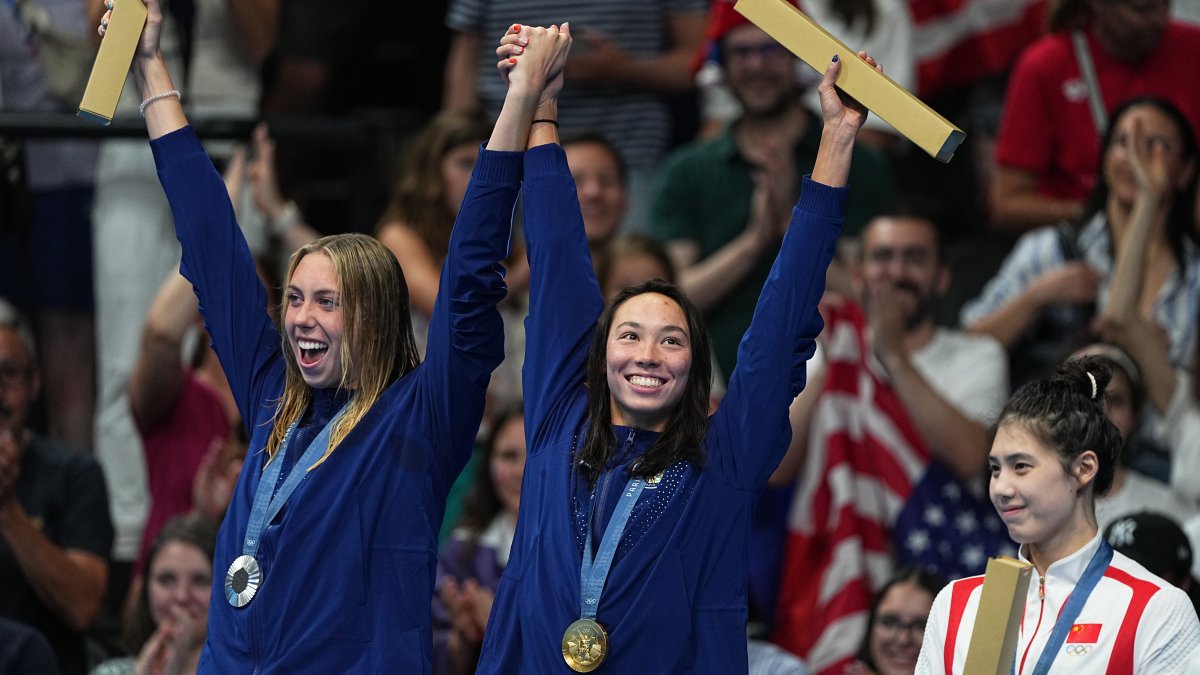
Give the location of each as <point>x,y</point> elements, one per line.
<point>592,575</point>
<point>1070,611</point>
<point>268,501</point>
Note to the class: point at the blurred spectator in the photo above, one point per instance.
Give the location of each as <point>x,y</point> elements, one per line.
<point>222,41</point>
<point>603,186</point>
<point>1041,303</point>
<point>55,533</point>
<point>1131,491</point>
<point>1155,541</point>
<point>723,204</point>
<point>630,260</point>
<point>882,28</point>
<point>425,200</point>
<point>167,626</point>
<point>471,561</point>
<point>897,624</point>
<point>1046,154</point>
<point>46,249</point>
<point>895,423</point>
<point>184,411</point>
<point>627,58</point>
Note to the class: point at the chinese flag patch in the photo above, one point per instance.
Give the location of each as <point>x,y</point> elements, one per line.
<point>1088,633</point>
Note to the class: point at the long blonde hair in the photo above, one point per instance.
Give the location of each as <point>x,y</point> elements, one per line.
<point>377,338</point>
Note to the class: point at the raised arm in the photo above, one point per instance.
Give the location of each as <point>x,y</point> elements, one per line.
<point>216,259</point>
<point>564,299</point>
<point>158,373</point>
<point>751,424</point>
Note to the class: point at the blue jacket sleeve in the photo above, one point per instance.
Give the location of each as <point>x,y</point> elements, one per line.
<point>564,298</point>
<point>466,333</point>
<point>218,262</point>
<point>749,433</point>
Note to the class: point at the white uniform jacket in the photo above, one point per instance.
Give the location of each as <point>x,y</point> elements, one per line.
<point>1133,622</point>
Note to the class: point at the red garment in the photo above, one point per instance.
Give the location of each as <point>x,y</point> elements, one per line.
<point>174,448</point>
<point>1047,126</point>
<point>958,42</point>
<point>865,455</point>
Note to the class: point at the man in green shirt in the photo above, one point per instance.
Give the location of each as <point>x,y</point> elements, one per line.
<point>722,205</point>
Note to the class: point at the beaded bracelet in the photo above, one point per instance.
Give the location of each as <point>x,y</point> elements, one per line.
<point>173,93</point>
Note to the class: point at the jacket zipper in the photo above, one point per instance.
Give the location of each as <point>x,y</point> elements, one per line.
<point>598,527</point>
<point>1041,611</point>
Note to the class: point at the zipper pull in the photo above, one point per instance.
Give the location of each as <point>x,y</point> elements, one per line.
<point>1041,588</point>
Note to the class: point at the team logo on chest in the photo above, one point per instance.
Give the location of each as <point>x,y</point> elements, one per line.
<point>654,481</point>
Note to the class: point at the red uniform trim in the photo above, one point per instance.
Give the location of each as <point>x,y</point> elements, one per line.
<point>959,594</point>
<point>1121,661</point>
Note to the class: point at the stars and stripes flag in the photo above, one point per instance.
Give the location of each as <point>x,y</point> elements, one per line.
<point>864,457</point>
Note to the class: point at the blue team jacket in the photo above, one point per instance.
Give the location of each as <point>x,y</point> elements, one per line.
<point>349,564</point>
<point>675,599</point>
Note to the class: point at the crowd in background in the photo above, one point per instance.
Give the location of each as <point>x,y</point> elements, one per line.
<point>1069,223</point>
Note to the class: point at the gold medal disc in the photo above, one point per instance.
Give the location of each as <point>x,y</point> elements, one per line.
<point>584,645</point>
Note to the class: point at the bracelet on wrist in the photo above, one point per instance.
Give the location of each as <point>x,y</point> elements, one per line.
<point>545,121</point>
<point>170,93</point>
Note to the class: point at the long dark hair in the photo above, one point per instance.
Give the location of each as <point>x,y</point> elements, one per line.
<point>1065,412</point>
<point>909,574</point>
<point>1180,214</point>
<point>190,529</point>
<point>683,439</point>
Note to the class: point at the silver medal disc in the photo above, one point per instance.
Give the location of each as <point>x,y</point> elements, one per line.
<point>242,580</point>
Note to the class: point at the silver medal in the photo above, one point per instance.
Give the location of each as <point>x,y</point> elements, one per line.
<point>242,580</point>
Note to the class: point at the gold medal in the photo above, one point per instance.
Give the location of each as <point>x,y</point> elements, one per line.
<point>584,645</point>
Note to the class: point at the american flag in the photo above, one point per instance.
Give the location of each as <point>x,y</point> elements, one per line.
<point>864,457</point>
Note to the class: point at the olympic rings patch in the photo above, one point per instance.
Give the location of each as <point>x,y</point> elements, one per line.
<point>1077,650</point>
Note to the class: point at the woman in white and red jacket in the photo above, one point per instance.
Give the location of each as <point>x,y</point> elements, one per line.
<point>1088,609</point>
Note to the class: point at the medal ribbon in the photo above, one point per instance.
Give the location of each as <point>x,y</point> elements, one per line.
<point>593,574</point>
<point>268,501</point>
<point>1070,611</point>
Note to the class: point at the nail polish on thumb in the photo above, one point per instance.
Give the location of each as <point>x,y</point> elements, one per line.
<point>835,58</point>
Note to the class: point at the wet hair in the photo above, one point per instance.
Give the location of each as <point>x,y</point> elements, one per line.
<point>418,198</point>
<point>909,574</point>
<point>594,138</point>
<point>683,438</point>
<point>378,346</point>
<point>190,529</point>
<point>1065,412</point>
<point>1181,210</point>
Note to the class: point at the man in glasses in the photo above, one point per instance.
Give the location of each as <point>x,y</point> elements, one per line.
<point>55,532</point>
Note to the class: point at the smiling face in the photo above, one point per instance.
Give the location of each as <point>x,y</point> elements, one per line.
<point>760,71</point>
<point>313,321</point>
<point>179,583</point>
<point>508,462</point>
<point>602,195</point>
<point>899,627</point>
<point>902,252</point>
<point>1034,493</point>
<point>648,361</point>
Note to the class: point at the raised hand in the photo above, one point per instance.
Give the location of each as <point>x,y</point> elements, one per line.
<point>838,108</point>
<point>151,34</point>
<point>1150,163</point>
<point>534,57</point>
